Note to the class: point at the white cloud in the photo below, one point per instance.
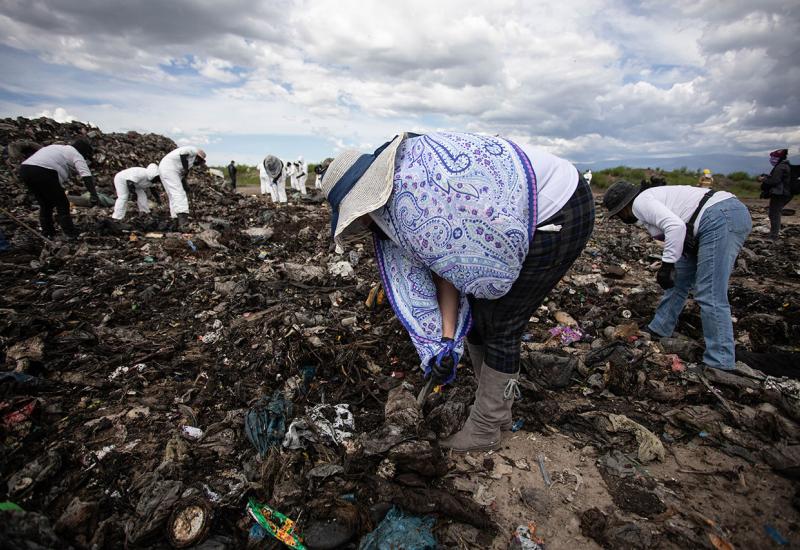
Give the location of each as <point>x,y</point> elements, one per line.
<point>58,114</point>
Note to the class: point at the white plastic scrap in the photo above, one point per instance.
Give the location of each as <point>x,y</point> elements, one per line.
<point>191,432</point>
<point>334,431</point>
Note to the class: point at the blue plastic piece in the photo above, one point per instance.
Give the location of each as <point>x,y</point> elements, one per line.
<point>775,535</point>
<point>401,532</point>
<point>517,426</point>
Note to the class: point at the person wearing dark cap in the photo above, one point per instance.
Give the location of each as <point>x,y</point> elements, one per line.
<point>777,186</point>
<point>47,171</point>
<point>703,231</point>
<point>471,233</point>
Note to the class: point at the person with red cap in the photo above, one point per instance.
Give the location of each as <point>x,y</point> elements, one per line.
<point>777,186</point>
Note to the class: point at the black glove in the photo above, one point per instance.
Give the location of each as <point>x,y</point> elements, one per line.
<point>88,182</point>
<point>443,370</point>
<point>666,275</point>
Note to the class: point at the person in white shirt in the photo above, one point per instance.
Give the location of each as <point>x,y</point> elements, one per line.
<point>141,180</point>
<point>289,171</point>
<point>47,171</point>
<point>302,174</point>
<point>173,169</point>
<point>588,176</point>
<point>717,224</point>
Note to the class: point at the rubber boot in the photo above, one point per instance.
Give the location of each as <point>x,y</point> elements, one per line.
<point>65,221</point>
<point>183,221</point>
<point>476,354</point>
<point>493,400</point>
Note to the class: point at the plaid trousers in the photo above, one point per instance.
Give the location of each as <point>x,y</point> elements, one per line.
<point>498,325</point>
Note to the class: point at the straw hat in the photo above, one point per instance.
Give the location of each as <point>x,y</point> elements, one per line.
<point>370,191</point>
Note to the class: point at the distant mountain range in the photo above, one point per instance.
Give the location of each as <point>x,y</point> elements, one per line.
<point>718,164</point>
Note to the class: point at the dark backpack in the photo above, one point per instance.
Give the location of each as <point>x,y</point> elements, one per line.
<point>794,178</point>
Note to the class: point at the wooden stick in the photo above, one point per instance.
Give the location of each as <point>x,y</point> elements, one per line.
<point>25,225</point>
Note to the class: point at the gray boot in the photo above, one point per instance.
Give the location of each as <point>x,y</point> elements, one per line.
<point>493,400</point>
<point>476,355</point>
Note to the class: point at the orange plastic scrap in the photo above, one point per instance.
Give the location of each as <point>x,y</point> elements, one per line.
<point>719,543</point>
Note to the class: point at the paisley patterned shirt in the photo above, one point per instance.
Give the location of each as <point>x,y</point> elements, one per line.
<point>464,207</point>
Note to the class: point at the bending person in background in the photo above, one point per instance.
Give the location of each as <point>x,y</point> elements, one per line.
<point>717,224</point>
<point>465,225</point>
<point>173,169</point>
<point>46,173</point>
<point>140,180</point>
<point>302,174</point>
<point>777,186</point>
<point>275,175</point>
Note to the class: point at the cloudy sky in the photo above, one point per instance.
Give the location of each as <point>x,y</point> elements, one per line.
<point>586,79</point>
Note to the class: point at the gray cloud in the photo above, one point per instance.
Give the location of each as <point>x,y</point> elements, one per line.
<point>581,78</point>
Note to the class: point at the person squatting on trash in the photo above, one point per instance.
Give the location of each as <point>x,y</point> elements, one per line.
<point>173,170</point>
<point>140,180</point>
<point>703,231</point>
<point>272,178</point>
<point>47,171</point>
<point>471,233</point>
<point>777,186</point>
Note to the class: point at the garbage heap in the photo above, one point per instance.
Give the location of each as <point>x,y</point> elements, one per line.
<point>242,383</point>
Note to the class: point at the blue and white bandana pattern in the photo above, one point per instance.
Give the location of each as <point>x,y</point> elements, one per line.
<point>464,207</point>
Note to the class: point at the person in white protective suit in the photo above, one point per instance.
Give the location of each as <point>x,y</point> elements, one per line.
<point>302,174</point>
<point>266,181</point>
<point>273,171</point>
<point>289,170</point>
<point>141,180</point>
<point>588,176</point>
<point>173,169</point>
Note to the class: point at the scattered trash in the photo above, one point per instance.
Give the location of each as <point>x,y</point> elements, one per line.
<point>517,425</point>
<point>276,524</point>
<point>543,469</point>
<point>775,535</point>
<point>566,335</point>
<point>190,522</point>
<point>650,447</point>
<point>525,538</point>
<point>265,423</point>
<point>192,433</point>
<point>401,532</point>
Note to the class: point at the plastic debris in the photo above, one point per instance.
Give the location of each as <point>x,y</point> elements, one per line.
<point>566,335</point>
<point>276,524</point>
<point>775,535</point>
<point>334,423</point>
<point>650,447</point>
<point>543,470</point>
<point>190,522</point>
<point>401,532</point>
<point>190,432</point>
<point>525,538</point>
<point>265,423</point>
<point>9,506</point>
<point>517,425</point>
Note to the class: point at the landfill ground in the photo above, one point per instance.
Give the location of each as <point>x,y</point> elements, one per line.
<point>135,356</point>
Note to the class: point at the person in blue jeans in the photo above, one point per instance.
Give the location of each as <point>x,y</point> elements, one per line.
<point>721,226</point>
